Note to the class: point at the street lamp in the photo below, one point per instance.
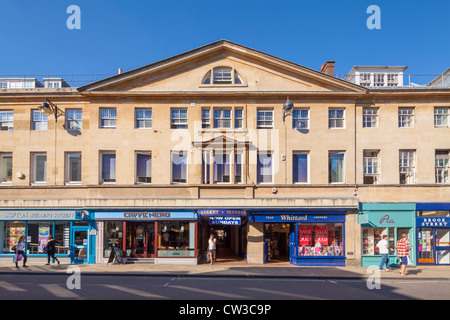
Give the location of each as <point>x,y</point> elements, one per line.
<point>48,108</point>
<point>287,108</point>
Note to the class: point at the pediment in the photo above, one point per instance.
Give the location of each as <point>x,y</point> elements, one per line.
<point>258,71</point>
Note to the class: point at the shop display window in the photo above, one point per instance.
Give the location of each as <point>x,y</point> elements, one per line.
<point>324,239</point>
<point>371,237</point>
<point>62,237</point>
<point>176,238</point>
<point>11,233</point>
<point>37,237</point>
<point>425,240</point>
<point>113,236</point>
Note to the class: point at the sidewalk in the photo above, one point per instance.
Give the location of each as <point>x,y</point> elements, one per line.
<point>238,269</point>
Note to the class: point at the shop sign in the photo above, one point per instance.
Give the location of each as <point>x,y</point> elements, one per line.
<point>221,212</point>
<point>39,215</point>
<point>145,215</point>
<point>232,221</point>
<point>301,218</point>
<point>433,222</point>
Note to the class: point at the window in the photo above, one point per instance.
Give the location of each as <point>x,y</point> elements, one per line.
<point>371,167</point>
<point>222,76</point>
<point>300,167</point>
<point>406,117</point>
<point>442,166</point>
<point>370,117</point>
<point>12,232</point>
<point>108,167</point>
<point>6,120</point>
<point>178,118</point>
<point>206,118</point>
<point>378,79</point>
<point>177,239</point>
<point>365,79</point>
<point>38,168</point>
<point>179,166</point>
<point>143,167</point>
<point>371,237</point>
<point>335,118</point>
<point>6,168</point>
<point>441,118</point>
<point>37,237</point>
<point>336,167</point>
<point>238,118</point>
<point>206,167</point>
<point>38,120</point>
<point>222,167</point>
<point>62,236</point>
<point>222,118</point>
<point>108,118</point>
<point>264,119</point>
<point>74,119</point>
<point>73,168</point>
<point>407,167</point>
<point>325,239</point>
<point>238,167</point>
<point>300,119</point>
<point>143,118</point>
<point>265,167</point>
<point>392,79</point>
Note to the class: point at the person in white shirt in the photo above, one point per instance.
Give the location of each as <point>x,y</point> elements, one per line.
<point>383,247</point>
<point>19,248</point>
<point>212,249</point>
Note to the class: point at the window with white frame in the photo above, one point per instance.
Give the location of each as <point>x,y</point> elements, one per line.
<point>73,168</point>
<point>206,118</point>
<point>264,167</point>
<point>74,119</point>
<point>407,167</point>
<point>370,117</point>
<point>206,166</point>
<point>441,117</point>
<point>406,117</point>
<point>107,167</point>
<point>392,79</point>
<point>179,166</point>
<point>300,167</point>
<point>108,118</point>
<point>222,167</point>
<point>300,118</point>
<point>222,76</point>
<point>143,118</point>
<point>264,119</point>
<point>6,120</point>
<point>336,167</point>
<point>6,168</point>
<point>39,121</point>
<point>443,166</point>
<point>378,79</point>
<point>336,118</point>
<point>39,168</point>
<point>371,166</point>
<point>238,118</point>
<point>143,167</point>
<point>222,118</point>
<point>364,79</point>
<point>179,118</point>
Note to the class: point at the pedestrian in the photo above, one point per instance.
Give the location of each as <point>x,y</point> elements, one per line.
<point>19,248</point>
<point>403,248</point>
<point>212,248</point>
<point>51,250</point>
<point>383,247</point>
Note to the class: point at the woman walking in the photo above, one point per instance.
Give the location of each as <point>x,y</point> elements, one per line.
<point>51,250</point>
<point>19,248</point>
<point>212,249</point>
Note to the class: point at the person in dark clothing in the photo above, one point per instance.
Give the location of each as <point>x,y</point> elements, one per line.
<point>51,250</point>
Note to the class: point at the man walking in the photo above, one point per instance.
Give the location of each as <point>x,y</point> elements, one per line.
<point>383,247</point>
<point>403,248</point>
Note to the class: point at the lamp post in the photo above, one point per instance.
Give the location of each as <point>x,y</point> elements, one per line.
<point>287,111</point>
<point>48,108</point>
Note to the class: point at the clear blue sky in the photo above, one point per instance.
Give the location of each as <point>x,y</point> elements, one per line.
<point>134,33</point>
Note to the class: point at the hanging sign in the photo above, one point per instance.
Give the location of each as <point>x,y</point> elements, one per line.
<point>233,221</point>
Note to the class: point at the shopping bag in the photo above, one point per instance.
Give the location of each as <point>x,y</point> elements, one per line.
<point>409,261</point>
<point>15,258</point>
<point>18,257</point>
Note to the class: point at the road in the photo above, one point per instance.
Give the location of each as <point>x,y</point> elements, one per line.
<point>137,287</point>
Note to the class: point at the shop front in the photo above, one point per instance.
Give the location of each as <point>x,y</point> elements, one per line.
<point>153,236</point>
<point>390,219</point>
<point>229,226</point>
<point>74,231</point>
<point>433,233</point>
<point>304,238</point>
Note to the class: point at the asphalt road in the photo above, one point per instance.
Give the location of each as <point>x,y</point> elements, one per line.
<point>192,288</point>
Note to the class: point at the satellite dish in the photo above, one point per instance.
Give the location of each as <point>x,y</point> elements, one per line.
<point>45,109</point>
<point>288,105</point>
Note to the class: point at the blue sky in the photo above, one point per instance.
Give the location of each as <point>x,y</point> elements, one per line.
<point>133,33</point>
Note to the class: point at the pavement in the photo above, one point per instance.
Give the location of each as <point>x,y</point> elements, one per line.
<point>231,269</point>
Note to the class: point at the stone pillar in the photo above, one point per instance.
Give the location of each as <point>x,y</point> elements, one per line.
<point>255,243</point>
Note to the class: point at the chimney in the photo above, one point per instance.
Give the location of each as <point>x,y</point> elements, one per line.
<point>328,68</point>
<point>120,71</point>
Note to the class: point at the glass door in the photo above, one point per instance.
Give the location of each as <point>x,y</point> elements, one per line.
<point>142,239</point>
<point>80,245</point>
<point>425,239</point>
<point>442,246</point>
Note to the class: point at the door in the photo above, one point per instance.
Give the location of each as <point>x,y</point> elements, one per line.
<point>292,242</point>
<point>143,239</point>
<point>80,245</point>
<point>425,238</point>
<point>442,246</point>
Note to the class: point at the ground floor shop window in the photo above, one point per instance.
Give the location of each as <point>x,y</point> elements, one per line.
<point>176,238</point>
<point>325,239</point>
<point>11,233</point>
<point>113,236</point>
<point>38,235</point>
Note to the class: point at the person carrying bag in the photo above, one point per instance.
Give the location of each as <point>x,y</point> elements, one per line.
<point>19,248</point>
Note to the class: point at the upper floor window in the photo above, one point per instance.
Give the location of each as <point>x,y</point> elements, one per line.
<point>336,118</point>
<point>74,119</point>
<point>406,117</point>
<point>6,168</point>
<point>407,166</point>
<point>179,118</point>
<point>370,117</point>
<point>108,118</point>
<point>442,166</point>
<point>6,120</point>
<point>264,119</point>
<point>441,117</point>
<point>222,118</point>
<point>300,119</point>
<point>38,120</point>
<point>143,118</point>
<point>222,75</point>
